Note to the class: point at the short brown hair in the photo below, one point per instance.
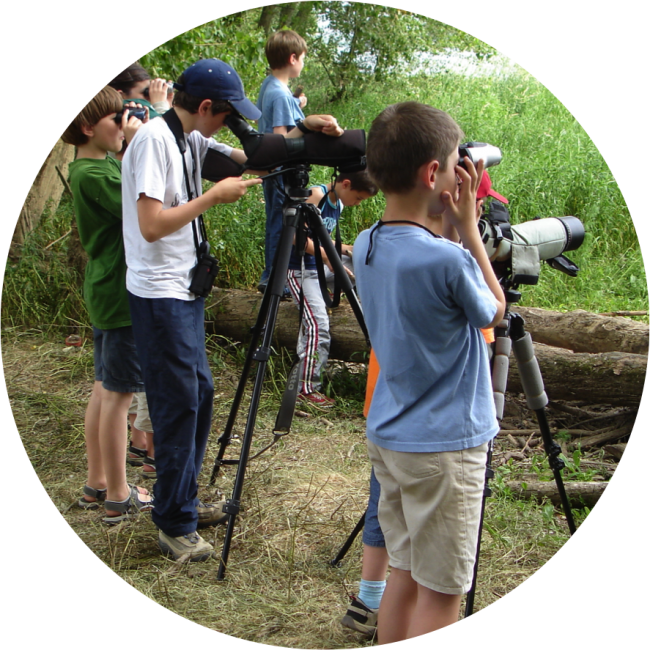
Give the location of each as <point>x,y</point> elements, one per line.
<point>405,136</point>
<point>105,102</point>
<point>191,103</point>
<point>359,182</point>
<point>281,45</point>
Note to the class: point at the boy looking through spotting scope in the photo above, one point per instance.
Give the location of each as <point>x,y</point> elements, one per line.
<point>432,415</point>
<point>347,189</point>
<point>163,237</point>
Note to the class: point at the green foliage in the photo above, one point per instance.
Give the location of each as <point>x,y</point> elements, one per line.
<point>350,44</point>
<point>550,165</point>
<point>235,39</point>
<point>42,288</point>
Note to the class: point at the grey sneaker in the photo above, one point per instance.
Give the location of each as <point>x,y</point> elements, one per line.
<point>186,548</point>
<point>211,514</point>
<point>360,617</point>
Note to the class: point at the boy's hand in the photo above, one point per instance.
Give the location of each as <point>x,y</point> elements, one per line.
<point>230,189</point>
<point>325,123</point>
<point>303,100</point>
<point>462,211</point>
<point>346,249</point>
<point>130,125</point>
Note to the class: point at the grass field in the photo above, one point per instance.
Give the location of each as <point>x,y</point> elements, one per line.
<point>301,500</point>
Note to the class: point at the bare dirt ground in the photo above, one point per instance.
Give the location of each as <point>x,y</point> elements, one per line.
<point>301,500</point>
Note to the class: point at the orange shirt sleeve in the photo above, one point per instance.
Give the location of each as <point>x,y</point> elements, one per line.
<point>373,371</point>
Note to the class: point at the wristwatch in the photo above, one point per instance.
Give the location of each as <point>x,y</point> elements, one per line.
<point>300,125</point>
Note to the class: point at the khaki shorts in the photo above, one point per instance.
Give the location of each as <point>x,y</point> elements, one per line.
<point>140,407</point>
<point>429,512</point>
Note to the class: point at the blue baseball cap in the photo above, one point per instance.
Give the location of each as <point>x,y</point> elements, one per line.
<point>214,79</point>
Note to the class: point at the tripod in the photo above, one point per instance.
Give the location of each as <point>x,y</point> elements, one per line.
<point>510,334</point>
<point>296,216</point>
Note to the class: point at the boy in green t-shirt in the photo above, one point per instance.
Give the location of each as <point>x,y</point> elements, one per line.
<point>96,183</point>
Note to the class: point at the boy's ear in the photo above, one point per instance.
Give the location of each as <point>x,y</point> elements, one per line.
<point>87,130</point>
<point>428,173</point>
<point>205,107</point>
<point>346,184</point>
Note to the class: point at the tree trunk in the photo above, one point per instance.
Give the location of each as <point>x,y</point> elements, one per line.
<point>266,18</point>
<point>47,186</point>
<point>579,493</point>
<point>582,331</point>
<point>607,377</point>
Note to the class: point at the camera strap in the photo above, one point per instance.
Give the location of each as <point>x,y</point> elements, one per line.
<point>381,223</point>
<point>176,127</point>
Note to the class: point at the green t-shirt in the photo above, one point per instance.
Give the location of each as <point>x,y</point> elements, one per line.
<point>97,189</point>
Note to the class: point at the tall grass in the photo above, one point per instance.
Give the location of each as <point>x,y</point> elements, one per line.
<point>550,168</point>
<point>42,288</point>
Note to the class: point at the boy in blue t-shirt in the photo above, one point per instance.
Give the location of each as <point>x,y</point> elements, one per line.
<point>425,299</point>
<point>348,189</point>
<point>285,52</point>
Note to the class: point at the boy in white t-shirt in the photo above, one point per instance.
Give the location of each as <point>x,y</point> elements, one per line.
<point>161,235</point>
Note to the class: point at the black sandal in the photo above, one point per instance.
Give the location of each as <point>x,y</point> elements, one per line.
<point>151,462</point>
<point>99,495</point>
<point>135,456</point>
<point>131,507</point>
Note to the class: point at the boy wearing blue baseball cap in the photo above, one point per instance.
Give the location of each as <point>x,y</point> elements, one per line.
<point>163,240</point>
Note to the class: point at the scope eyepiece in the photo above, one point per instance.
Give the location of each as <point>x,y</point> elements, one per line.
<point>475,151</point>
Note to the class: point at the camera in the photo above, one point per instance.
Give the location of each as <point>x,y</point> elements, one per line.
<point>475,151</point>
<point>140,113</point>
<point>205,271</point>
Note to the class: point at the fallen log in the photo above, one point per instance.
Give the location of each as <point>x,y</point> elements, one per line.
<point>608,377</point>
<point>582,331</point>
<point>232,313</point>
<point>579,493</point>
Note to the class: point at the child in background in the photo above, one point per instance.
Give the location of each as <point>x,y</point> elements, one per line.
<point>95,180</point>
<point>135,84</point>
<point>280,111</point>
<point>314,341</point>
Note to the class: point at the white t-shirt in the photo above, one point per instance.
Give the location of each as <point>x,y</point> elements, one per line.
<point>153,166</point>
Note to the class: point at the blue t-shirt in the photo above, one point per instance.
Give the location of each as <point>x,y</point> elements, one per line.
<point>424,299</point>
<point>279,107</point>
<point>330,213</point>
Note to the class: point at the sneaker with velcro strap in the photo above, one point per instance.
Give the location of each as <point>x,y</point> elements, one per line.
<point>360,617</point>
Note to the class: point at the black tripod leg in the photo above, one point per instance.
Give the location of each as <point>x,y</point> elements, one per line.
<point>489,473</point>
<point>349,541</point>
<point>500,366</point>
<point>533,384</point>
<point>316,224</point>
<point>274,289</point>
<point>226,436</point>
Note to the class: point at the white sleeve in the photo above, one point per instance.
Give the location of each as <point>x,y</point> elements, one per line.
<point>149,162</point>
<point>202,145</point>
